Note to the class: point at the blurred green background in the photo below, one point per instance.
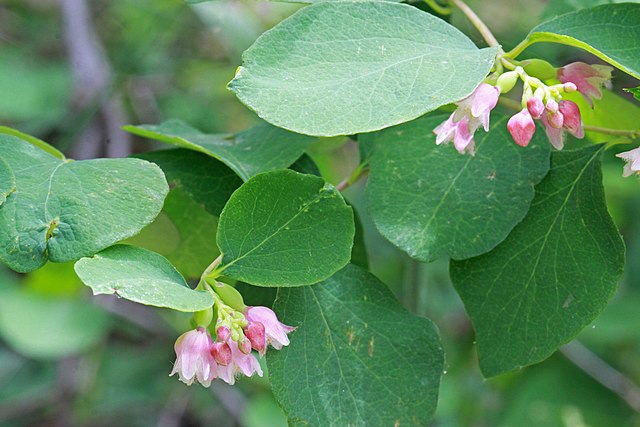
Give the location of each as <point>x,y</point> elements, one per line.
<point>73,71</point>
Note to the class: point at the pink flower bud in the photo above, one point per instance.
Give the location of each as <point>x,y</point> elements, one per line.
<point>221,352</point>
<point>535,107</point>
<point>554,117</point>
<point>244,345</point>
<point>570,87</point>
<point>572,121</point>
<point>255,332</point>
<point>587,78</point>
<point>521,127</point>
<point>555,135</point>
<point>223,333</point>
<point>275,331</point>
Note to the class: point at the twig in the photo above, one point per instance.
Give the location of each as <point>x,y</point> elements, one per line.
<point>603,373</point>
<point>485,32</point>
<point>93,80</point>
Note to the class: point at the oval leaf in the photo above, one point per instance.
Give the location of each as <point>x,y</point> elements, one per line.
<point>284,228</point>
<point>554,273</point>
<point>339,68</point>
<point>431,201</point>
<point>258,149</point>
<point>141,276</point>
<point>208,181</point>
<point>7,181</point>
<point>357,357</point>
<point>64,210</point>
<point>610,31</point>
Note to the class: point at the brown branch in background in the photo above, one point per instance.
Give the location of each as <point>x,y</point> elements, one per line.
<point>603,373</point>
<point>93,82</point>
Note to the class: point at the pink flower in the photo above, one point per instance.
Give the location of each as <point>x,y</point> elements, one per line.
<point>587,78</point>
<point>275,331</point>
<point>247,364</point>
<point>221,352</point>
<point>472,112</point>
<point>456,132</point>
<point>521,127</point>
<point>535,107</point>
<point>632,159</point>
<point>193,357</point>
<point>255,332</point>
<point>555,135</point>
<point>572,120</point>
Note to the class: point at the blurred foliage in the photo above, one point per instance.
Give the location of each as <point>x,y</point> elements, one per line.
<point>67,358</point>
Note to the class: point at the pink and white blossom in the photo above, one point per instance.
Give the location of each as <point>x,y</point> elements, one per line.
<point>632,159</point>
<point>588,79</point>
<point>247,364</point>
<point>193,358</point>
<point>275,331</point>
<point>472,112</point>
<point>572,120</point>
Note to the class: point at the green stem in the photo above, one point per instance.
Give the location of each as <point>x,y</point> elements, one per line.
<point>513,53</point>
<point>485,32</point>
<point>359,172</point>
<point>438,8</point>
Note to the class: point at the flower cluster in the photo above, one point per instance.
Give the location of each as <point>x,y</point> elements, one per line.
<point>203,359</point>
<point>539,102</point>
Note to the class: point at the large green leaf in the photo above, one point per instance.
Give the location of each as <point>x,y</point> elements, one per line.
<point>357,357</point>
<point>430,201</point>
<point>609,31</point>
<point>553,274</point>
<point>283,228</point>
<point>64,210</point>
<point>46,327</point>
<point>7,181</point>
<point>258,149</point>
<point>141,276</point>
<point>184,233</point>
<point>207,181</point>
<point>337,68</point>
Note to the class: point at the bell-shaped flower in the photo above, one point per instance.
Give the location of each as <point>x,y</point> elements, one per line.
<point>521,127</point>
<point>458,132</point>
<point>247,364</point>
<point>193,358</point>
<point>477,106</point>
<point>472,112</point>
<point>632,159</point>
<point>588,79</point>
<point>221,352</point>
<point>275,331</point>
<point>572,121</point>
<point>555,135</point>
<point>256,334</point>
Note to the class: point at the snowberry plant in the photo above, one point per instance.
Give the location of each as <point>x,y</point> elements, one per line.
<point>515,201</point>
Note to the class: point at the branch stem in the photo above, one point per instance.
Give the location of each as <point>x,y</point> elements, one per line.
<point>475,20</point>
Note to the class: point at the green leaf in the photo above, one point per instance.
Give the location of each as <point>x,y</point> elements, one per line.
<point>283,228</point>
<point>7,181</point>
<point>45,327</point>
<point>553,274</point>
<point>357,357</point>
<point>141,276</point>
<point>338,68</point>
<point>635,91</point>
<point>431,201</point>
<point>33,140</point>
<point>610,31</point>
<point>207,181</point>
<point>259,149</point>
<point>64,210</point>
